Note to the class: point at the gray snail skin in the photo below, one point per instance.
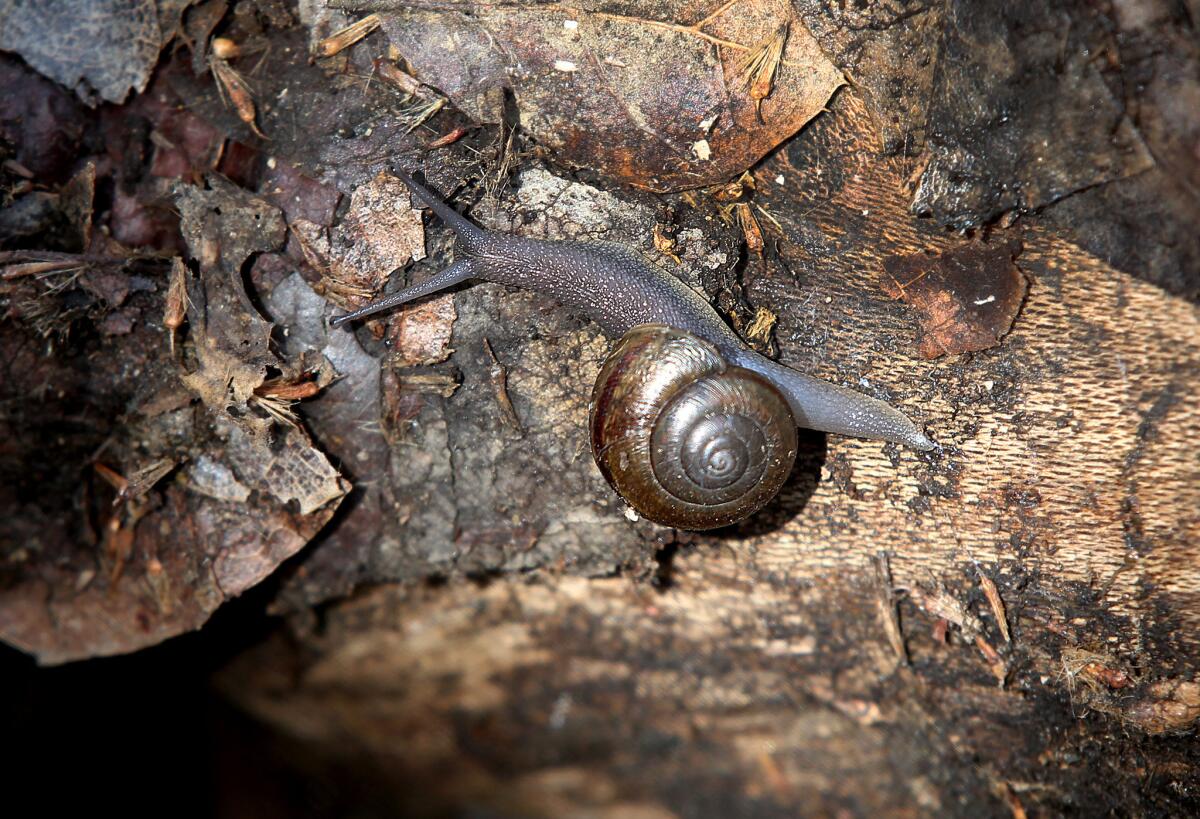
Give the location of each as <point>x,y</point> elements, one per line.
<point>622,291</point>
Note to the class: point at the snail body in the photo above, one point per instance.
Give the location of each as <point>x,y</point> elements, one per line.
<point>623,293</point>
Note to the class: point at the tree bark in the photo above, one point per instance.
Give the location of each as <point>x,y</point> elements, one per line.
<point>1008,625</point>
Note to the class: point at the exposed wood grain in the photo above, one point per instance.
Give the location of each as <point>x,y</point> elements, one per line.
<point>757,677</point>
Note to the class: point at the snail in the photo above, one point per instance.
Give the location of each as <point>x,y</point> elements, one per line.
<point>689,425</point>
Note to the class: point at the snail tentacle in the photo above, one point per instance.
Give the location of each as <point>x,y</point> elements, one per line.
<point>473,237</point>
<point>460,271</point>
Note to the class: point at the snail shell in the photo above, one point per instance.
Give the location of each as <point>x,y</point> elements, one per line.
<point>687,439</point>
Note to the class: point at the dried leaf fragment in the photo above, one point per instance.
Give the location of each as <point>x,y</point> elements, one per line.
<point>379,234</point>
<point>443,385</point>
<point>967,298</point>
<point>288,391</point>
<point>348,36</point>
<point>760,329</point>
<point>665,243</point>
<point>276,397</point>
<point>175,308</point>
<point>761,64</point>
<point>499,376</point>
<point>421,333</point>
<point>939,602</point>
<point>223,227</point>
<point>885,601</point>
<point>996,603</point>
<point>294,470</point>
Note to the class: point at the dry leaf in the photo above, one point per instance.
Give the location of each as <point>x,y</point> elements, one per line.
<point>967,297</point>
<point>381,232</point>
<point>623,93</point>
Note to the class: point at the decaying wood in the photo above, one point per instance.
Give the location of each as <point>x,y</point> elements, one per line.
<point>759,670</point>
<point>1005,626</point>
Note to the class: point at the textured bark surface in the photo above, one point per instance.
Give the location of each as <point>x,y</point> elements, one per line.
<point>1008,625</point>
<point>761,671</point>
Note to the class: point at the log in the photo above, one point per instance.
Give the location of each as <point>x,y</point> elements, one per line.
<point>1004,626</point>
<point>471,621</point>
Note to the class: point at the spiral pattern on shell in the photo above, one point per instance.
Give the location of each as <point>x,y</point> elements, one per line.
<point>685,438</point>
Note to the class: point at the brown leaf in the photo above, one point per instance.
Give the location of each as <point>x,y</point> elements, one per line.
<point>221,530</point>
<point>967,297</point>
<point>232,341</point>
<point>661,102</point>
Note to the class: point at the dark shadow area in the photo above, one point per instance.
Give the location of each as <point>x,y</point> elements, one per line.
<point>141,735</point>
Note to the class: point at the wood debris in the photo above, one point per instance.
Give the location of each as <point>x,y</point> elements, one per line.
<point>499,376</point>
<point>996,603</point>
<point>940,603</point>
<point>760,328</point>
<point>889,614</point>
<point>666,244</point>
<point>175,309</point>
<point>751,230</point>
